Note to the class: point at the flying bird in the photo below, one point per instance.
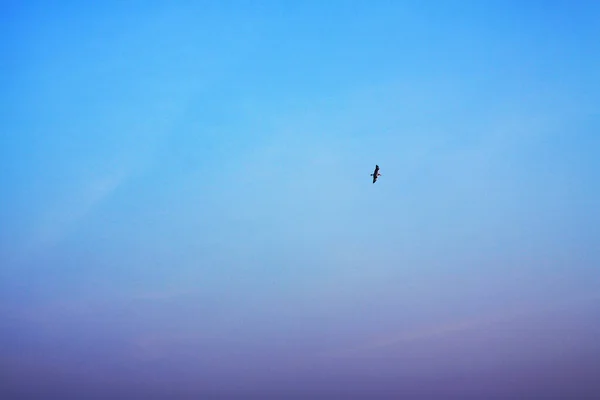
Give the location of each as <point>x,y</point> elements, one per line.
<point>376,174</point>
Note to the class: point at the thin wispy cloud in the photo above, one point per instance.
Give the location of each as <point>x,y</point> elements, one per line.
<point>453,328</point>
<point>59,222</point>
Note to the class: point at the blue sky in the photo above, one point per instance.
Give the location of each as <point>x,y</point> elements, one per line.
<point>186,202</point>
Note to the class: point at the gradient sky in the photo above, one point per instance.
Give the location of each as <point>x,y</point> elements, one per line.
<point>186,207</point>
